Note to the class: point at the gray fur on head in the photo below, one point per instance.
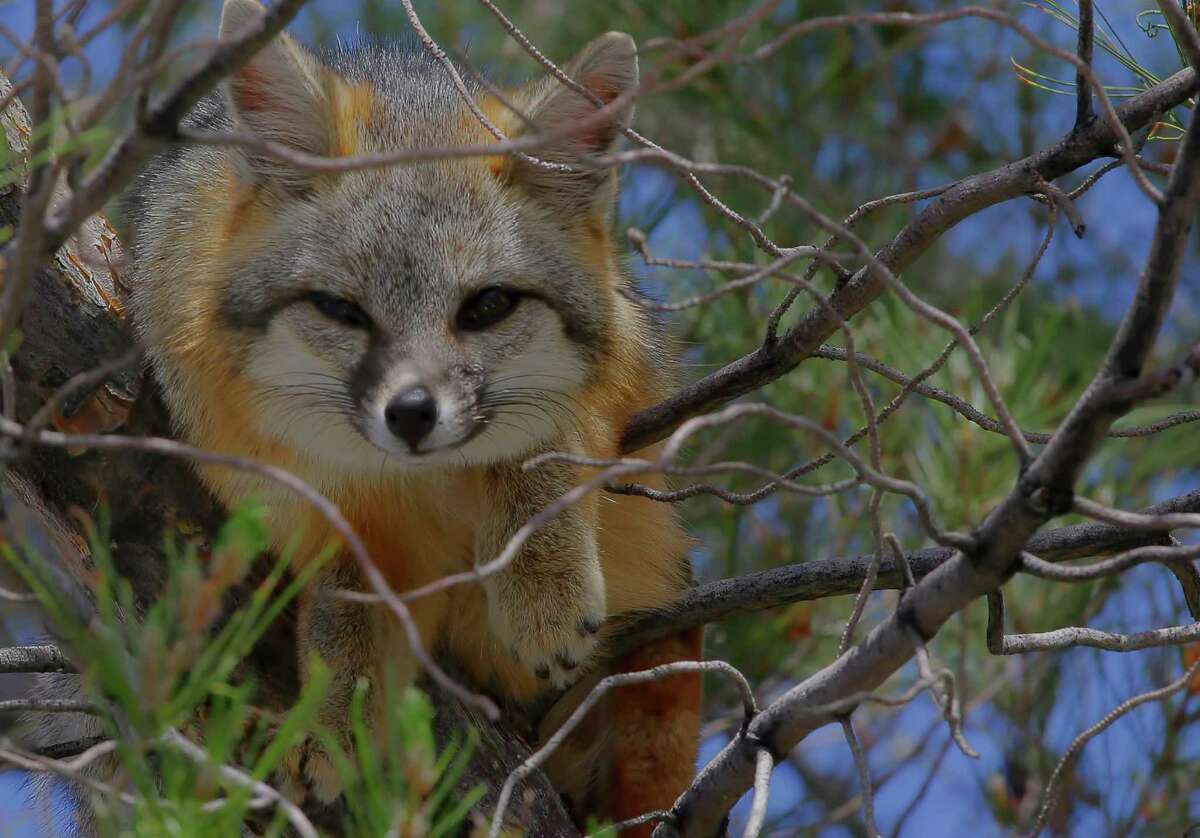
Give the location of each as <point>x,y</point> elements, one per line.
<point>408,248</point>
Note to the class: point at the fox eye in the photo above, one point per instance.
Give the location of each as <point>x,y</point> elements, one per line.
<point>339,309</point>
<point>487,308</point>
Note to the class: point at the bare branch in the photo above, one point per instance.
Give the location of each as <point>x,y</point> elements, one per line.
<point>945,697</point>
<point>1118,564</point>
<point>1044,489</point>
<point>78,386</point>
<point>47,705</point>
<point>440,56</point>
<point>1083,48</point>
<point>620,826</point>
<point>14,596</point>
<point>615,469</point>
<point>1183,30</point>
<point>964,199</point>
<point>813,580</point>
<point>1073,636</point>
<point>160,123</point>
<point>233,776</point>
<point>763,765</point>
<point>72,770</point>
<point>936,583</point>
<point>538,757</point>
<point>1050,796</point>
<point>914,384</point>
<point>1080,63</point>
<point>972,414</point>
<point>864,777</point>
<point>754,277</point>
<point>1065,203</point>
<point>1135,520</point>
<point>820,579</point>
<point>23,254</point>
<point>33,659</point>
<point>853,218</point>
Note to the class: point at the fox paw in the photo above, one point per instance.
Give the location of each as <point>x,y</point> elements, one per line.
<point>307,773</point>
<point>554,639</point>
<point>560,656</point>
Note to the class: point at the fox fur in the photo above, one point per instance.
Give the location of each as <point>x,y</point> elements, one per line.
<point>285,310</point>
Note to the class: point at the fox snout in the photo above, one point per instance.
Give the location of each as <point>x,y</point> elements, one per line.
<point>415,410</point>
<point>411,415</point>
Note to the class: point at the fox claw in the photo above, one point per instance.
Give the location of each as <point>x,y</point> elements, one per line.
<point>307,773</point>
<point>552,649</point>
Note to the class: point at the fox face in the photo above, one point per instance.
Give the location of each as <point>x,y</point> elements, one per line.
<point>446,312</point>
<point>440,325</point>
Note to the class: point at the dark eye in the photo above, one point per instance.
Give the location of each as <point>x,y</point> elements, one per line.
<point>487,308</point>
<point>339,309</point>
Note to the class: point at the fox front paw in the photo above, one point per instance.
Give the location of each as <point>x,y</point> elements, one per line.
<point>554,639</point>
<point>307,773</point>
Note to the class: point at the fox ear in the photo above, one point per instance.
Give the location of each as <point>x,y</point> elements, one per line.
<point>280,94</point>
<point>607,67</point>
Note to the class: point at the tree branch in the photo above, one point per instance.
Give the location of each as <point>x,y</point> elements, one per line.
<point>1083,48</point>
<point>1044,489</point>
<point>33,659</point>
<point>715,601</point>
<point>159,123</point>
<point>964,199</point>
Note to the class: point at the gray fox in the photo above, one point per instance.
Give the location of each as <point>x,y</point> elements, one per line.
<point>403,339</point>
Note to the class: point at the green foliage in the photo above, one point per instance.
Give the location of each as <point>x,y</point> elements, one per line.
<point>396,782</point>
<point>1150,21</point>
<point>177,668</point>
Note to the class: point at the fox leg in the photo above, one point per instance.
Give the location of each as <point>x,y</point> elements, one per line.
<point>548,605</point>
<point>354,640</point>
<point>347,636</point>
<point>635,751</point>
<point>656,730</point>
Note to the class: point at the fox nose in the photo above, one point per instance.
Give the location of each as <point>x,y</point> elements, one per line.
<point>412,415</point>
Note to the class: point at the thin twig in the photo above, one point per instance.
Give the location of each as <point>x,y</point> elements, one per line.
<point>911,385</point>
<point>908,19</point>
<point>1135,520</point>
<point>999,643</point>
<point>72,770</point>
<point>763,764</point>
<point>1117,564</point>
<point>1050,795</point>
<point>864,777</point>
<point>237,777</point>
<point>1083,49</point>
<point>78,385</point>
<point>964,199</point>
<point>161,123</point>
<point>47,705</point>
<point>1043,489</point>
<point>620,826</point>
<point>34,659</point>
<point>945,695</point>
<point>538,757</point>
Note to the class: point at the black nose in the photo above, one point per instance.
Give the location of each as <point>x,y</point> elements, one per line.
<point>412,415</point>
